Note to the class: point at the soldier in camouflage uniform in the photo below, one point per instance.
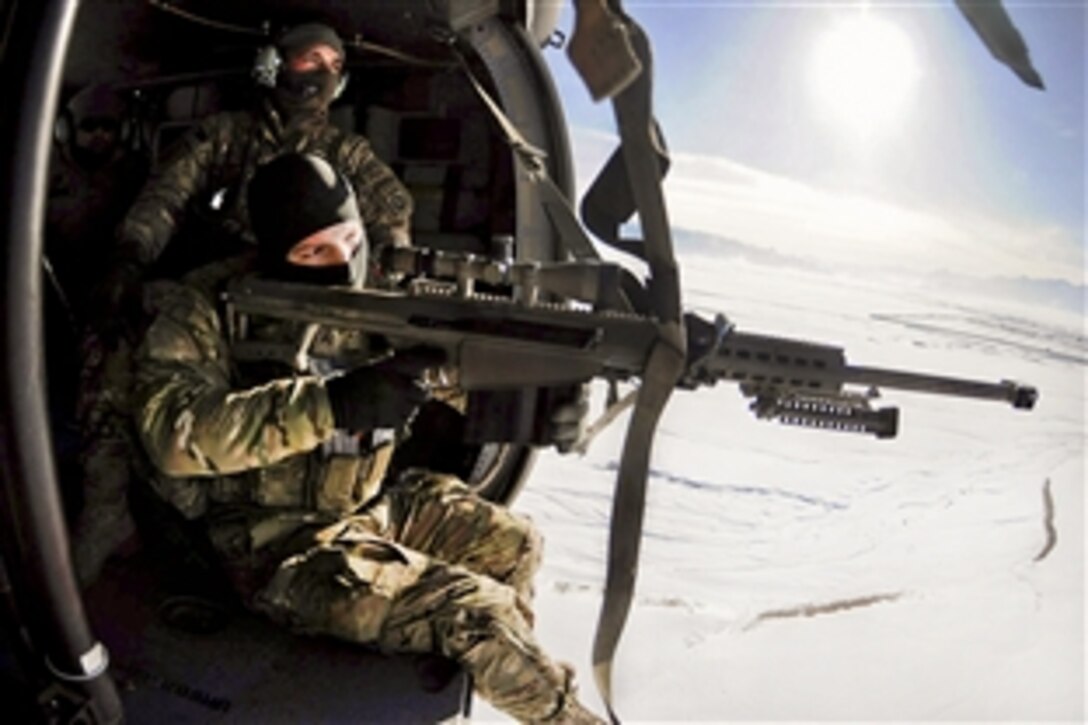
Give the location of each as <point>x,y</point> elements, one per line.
<point>206,176</point>
<point>288,475</point>
<point>94,177</point>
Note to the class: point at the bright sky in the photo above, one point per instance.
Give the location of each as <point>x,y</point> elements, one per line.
<point>883,134</point>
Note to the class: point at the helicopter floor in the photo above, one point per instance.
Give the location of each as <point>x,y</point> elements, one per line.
<point>242,668</point>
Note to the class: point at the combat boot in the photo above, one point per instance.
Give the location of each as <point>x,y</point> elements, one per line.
<point>574,712</point>
<point>571,711</point>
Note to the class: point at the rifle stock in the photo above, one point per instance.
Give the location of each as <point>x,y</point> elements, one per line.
<point>510,340</point>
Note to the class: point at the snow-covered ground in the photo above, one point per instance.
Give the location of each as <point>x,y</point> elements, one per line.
<point>790,574</point>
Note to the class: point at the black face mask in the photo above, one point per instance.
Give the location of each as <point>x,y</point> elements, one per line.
<point>308,91</point>
<point>352,274</point>
<point>93,159</point>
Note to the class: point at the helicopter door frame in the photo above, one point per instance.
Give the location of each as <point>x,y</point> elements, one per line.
<point>511,57</point>
<point>528,95</point>
<point>44,596</point>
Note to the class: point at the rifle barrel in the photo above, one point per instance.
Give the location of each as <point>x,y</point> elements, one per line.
<point>1020,396</point>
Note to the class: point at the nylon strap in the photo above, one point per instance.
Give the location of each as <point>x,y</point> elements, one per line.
<point>531,160</point>
<point>609,201</point>
<point>642,151</point>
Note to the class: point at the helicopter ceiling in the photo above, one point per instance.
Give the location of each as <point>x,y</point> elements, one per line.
<point>121,42</point>
<point>405,24</point>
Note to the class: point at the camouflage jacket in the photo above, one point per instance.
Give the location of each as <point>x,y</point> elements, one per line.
<point>269,449</point>
<point>213,163</point>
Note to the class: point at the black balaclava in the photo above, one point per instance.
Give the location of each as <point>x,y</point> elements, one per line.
<point>310,92</point>
<point>290,198</point>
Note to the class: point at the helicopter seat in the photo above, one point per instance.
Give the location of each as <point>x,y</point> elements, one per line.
<point>183,107</point>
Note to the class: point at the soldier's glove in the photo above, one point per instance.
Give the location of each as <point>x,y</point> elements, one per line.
<point>567,423</point>
<point>385,395</point>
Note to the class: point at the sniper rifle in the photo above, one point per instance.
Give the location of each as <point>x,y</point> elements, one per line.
<point>506,326</point>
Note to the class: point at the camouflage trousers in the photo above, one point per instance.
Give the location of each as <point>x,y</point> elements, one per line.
<point>107,452</point>
<point>430,568</point>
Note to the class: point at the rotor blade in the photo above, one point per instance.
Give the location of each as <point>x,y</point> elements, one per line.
<point>1001,37</point>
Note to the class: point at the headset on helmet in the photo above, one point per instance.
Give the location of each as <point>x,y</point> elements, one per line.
<point>269,61</point>
<point>266,66</point>
<point>96,100</point>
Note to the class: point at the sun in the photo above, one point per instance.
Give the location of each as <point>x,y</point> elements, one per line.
<point>862,74</point>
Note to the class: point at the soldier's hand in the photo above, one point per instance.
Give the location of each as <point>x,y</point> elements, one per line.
<point>385,395</point>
